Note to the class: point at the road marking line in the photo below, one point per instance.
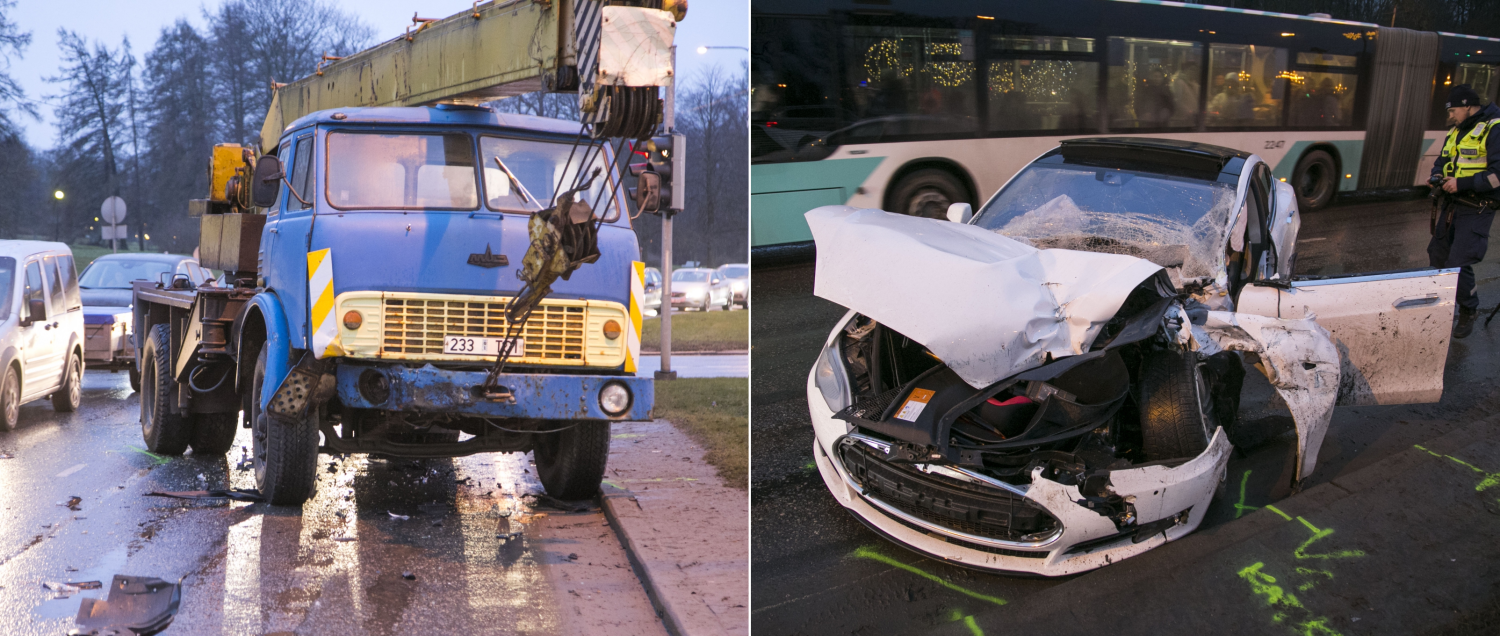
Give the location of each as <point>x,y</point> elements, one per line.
<point>71,470</point>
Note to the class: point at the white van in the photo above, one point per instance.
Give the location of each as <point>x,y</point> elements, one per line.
<point>41,328</point>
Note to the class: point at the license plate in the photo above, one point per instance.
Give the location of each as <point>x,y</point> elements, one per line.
<point>468,345</point>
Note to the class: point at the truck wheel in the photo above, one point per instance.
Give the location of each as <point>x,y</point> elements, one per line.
<point>570,463</point>
<point>10,400</point>
<point>135,380</point>
<point>1176,408</point>
<point>285,455</point>
<point>67,398</point>
<point>165,433</point>
<point>213,433</point>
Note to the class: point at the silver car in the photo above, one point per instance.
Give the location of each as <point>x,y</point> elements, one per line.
<point>653,291</point>
<point>736,283</point>
<point>698,287</point>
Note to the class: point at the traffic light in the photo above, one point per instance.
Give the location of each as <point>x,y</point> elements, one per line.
<point>647,190</point>
<point>665,154</point>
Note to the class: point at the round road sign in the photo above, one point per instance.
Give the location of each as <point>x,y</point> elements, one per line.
<point>113,210</point>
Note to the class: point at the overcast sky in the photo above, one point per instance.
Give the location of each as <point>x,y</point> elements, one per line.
<point>709,22</point>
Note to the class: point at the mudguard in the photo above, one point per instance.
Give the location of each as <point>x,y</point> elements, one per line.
<point>278,341</point>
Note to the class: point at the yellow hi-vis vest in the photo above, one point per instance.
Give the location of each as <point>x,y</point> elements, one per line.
<point>1466,156</point>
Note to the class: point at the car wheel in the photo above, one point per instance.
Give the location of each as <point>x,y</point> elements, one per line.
<point>1315,179</point>
<point>285,455</point>
<point>165,433</point>
<point>1176,407</point>
<point>570,463</point>
<point>213,433</point>
<point>10,400</point>
<point>928,193</point>
<point>70,396</point>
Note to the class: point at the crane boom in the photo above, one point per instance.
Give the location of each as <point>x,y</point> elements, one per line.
<point>497,49</point>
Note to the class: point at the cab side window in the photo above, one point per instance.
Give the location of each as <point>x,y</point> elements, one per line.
<point>285,154</point>
<point>59,295</point>
<point>302,174</point>
<point>34,290</point>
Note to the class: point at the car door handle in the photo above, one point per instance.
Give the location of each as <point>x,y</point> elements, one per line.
<point>1416,301</point>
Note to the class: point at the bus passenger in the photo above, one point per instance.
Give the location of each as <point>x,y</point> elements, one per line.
<point>1469,172</point>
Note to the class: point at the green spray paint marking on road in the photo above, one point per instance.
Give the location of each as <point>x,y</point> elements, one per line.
<point>1285,603</point>
<point>1309,572</point>
<point>626,435</point>
<point>867,552</point>
<point>810,466</point>
<point>1240,508</point>
<point>973,626</point>
<point>1317,535</point>
<point>1279,512</point>
<point>156,460</point>
<point>1490,480</point>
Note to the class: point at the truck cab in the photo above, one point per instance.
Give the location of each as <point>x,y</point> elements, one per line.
<point>377,302</point>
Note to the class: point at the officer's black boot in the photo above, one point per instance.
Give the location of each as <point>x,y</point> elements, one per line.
<point>1465,324</point>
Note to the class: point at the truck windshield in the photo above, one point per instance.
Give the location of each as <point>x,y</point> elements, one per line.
<point>7,277</point>
<point>117,274</point>
<point>401,171</point>
<point>526,177</point>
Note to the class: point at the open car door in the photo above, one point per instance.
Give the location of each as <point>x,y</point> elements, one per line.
<point>1391,329</point>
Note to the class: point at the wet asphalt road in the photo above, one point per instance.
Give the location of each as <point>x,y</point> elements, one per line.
<point>252,569</point>
<point>809,574</point>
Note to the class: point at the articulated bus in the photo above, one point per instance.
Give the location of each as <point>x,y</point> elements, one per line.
<point>910,105</point>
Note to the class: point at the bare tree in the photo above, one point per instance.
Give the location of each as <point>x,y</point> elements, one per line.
<point>94,81</point>
<point>13,41</point>
<point>541,104</point>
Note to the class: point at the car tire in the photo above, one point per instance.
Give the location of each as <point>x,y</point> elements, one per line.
<point>164,432</point>
<point>213,433</point>
<point>1315,180</point>
<point>570,463</point>
<point>284,455</point>
<point>135,380</point>
<point>928,193</point>
<point>68,398</point>
<point>1176,408</point>
<point>10,400</point>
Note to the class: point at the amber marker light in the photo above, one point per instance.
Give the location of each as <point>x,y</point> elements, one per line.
<point>353,319</point>
<point>611,329</point>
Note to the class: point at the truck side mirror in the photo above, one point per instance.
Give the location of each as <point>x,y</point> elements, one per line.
<point>36,310</point>
<point>648,192</point>
<point>267,185</point>
<point>960,212</point>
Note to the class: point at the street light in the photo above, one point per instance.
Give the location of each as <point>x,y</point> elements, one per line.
<point>58,195</point>
<point>704,49</point>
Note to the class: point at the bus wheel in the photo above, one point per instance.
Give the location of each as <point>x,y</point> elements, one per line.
<point>928,193</point>
<point>1314,180</point>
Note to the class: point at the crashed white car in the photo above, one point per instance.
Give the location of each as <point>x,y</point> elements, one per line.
<point>1051,386</point>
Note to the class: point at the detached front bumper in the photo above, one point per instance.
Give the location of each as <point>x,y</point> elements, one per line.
<point>1170,502</point>
<point>428,389</point>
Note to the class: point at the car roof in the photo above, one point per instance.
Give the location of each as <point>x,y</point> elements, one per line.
<point>142,256</point>
<point>1153,152</point>
<point>22,249</point>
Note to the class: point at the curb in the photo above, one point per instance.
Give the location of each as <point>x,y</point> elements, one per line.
<point>678,354</point>
<point>670,617</point>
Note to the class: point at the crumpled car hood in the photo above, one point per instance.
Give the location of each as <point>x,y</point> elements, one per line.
<point>989,306</point>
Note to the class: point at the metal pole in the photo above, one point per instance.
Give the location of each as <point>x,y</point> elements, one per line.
<point>669,121</point>
<point>114,233</point>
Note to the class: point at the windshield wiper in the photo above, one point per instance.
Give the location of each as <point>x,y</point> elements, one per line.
<point>516,183</point>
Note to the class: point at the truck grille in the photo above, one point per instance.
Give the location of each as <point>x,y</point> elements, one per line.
<point>417,326</point>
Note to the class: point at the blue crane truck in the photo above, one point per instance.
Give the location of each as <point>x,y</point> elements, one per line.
<point>373,257</point>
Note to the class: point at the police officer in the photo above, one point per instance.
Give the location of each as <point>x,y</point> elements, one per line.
<point>1468,173</point>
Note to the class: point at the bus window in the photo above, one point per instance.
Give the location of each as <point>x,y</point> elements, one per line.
<point>914,73</point>
<point>1480,77</point>
<point>1042,83</point>
<point>1322,90</point>
<point>1247,85</point>
<point>1153,83</point>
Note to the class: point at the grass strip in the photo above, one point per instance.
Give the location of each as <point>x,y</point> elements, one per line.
<point>715,412</point>
<point>700,331</point>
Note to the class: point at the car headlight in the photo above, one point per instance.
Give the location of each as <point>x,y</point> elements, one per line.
<point>832,378</point>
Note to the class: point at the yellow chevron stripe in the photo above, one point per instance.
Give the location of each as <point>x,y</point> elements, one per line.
<point>637,300</point>
<point>325,333</point>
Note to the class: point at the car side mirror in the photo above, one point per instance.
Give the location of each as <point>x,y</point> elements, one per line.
<point>268,176</point>
<point>960,212</point>
<point>36,310</point>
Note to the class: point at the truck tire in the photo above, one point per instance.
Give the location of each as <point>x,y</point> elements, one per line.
<point>135,380</point>
<point>70,395</point>
<point>213,433</point>
<point>1315,180</point>
<point>285,455</point>
<point>570,463</point>
<point>165,433</point>
<point>1176,408</point>
<point>928,193</point>
<point>10,400</point>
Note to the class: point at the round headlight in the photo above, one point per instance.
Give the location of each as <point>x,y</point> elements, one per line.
<point>614,398</point>
<point>353,319</point>
<point>611,329</point>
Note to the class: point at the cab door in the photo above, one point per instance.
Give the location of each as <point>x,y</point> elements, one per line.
<point>1392,329</point>
<point>41,358</point>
